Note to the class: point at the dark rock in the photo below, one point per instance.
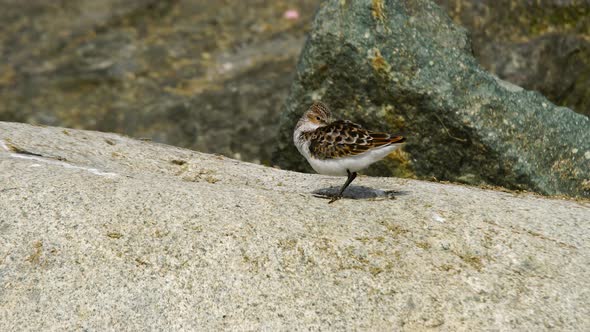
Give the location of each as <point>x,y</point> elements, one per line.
<point>404,66</point>
<point>208,75</point>
<point>539,45</point>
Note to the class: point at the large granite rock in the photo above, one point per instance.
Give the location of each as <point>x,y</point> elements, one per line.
<point>404,66</point>
<point>540,45</point>
<point>102,232</point>
<point>203,74</point>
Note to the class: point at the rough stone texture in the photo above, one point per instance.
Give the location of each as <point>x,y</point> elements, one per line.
<point>404,66</point>
<point>194,73</point>
<point>540,45</point>
<point>102,232</point>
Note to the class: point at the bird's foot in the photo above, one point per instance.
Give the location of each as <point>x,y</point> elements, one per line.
<point>334,199</point>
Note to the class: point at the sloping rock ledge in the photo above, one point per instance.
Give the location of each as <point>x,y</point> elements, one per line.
<point>100,231</point>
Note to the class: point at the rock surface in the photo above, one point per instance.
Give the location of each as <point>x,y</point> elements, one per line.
<point>99,232</point>
<point>539,45</point>
<point>404,66</point>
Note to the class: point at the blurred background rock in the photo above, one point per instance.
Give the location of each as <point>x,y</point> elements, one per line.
<point>541,45</point>
<point>208,75</point>
<point>213,75</point>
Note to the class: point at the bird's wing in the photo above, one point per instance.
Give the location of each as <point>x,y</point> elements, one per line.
<point>344,138</point>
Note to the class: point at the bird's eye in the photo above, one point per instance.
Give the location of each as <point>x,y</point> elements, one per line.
<point>317,118</point>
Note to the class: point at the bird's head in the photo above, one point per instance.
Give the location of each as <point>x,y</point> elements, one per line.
<point>317,115</point>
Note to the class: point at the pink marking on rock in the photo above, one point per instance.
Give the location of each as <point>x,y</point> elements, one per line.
<point>291,14</point>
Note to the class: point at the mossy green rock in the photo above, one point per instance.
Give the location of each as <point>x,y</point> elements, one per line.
<point>404,66</point>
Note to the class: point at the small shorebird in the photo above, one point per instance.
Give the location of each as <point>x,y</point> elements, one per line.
<point>340,147</point>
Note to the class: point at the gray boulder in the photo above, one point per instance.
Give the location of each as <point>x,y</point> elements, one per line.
<point>102,232</point>
<point>404,66</point>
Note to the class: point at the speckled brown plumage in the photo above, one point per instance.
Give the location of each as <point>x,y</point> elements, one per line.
<point>344,139</point>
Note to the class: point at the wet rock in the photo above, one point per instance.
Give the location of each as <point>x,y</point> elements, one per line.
<point>405,66</point>
<point>539,45</point>
<point>206,75</point>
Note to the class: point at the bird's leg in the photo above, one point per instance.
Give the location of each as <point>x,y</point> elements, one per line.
<point>351,177</point>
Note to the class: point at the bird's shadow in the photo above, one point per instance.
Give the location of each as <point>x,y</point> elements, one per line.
<point>359,192</point>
